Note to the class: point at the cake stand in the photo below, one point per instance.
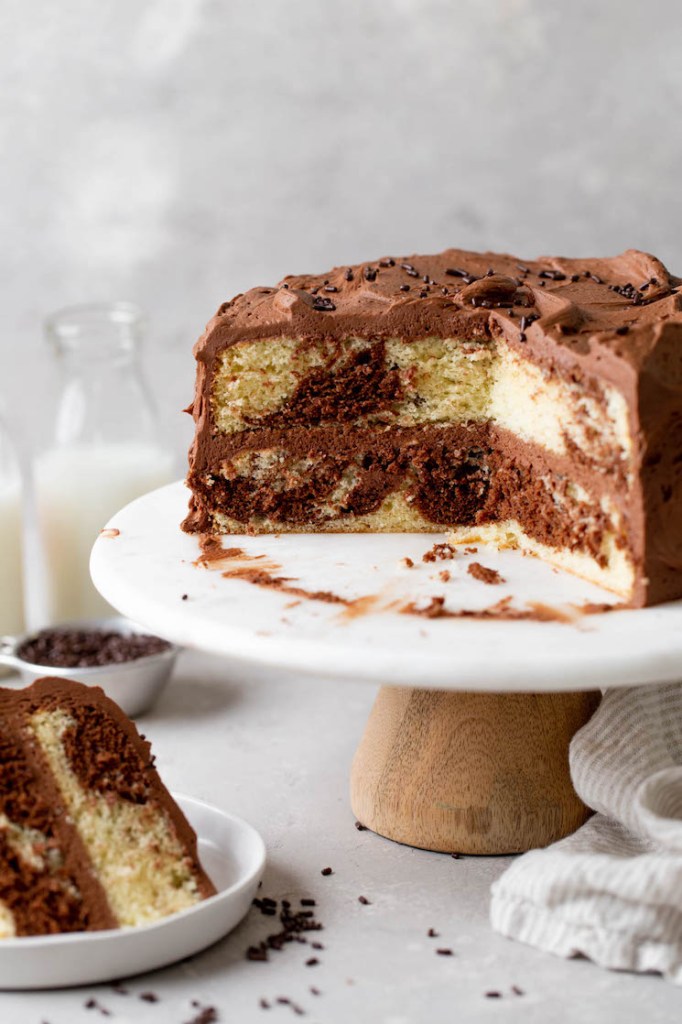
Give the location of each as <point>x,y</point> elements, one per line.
<point>466,748</point>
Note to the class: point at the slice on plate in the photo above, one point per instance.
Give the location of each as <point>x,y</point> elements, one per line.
<point>90,838</point>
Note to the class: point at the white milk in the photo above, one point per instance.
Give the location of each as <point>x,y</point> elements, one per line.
<point>78,488</point>
<point>11,568</point>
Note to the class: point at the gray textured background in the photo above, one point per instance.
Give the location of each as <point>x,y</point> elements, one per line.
<point>175,152</point>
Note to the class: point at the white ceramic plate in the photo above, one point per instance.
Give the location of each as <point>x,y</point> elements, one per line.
<point>144,563</point>
<point>233,854</point>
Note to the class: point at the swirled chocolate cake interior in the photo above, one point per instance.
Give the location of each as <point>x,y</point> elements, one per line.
<point>527,404</point>
<point>90,838</point>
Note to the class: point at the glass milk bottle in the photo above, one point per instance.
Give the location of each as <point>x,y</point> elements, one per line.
<point>11,548</point>
<point>105,449</point>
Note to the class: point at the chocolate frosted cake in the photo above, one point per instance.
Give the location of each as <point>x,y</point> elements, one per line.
<point>527,404</point>
<point>89,836</point>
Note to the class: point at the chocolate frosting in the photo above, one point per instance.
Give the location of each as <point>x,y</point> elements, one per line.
<point>613,320</point>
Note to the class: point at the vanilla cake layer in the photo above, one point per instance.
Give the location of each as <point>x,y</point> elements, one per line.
<point>132,846</point>
<point>91,838</point>
<point>535,403</point>
<point>283,382</point>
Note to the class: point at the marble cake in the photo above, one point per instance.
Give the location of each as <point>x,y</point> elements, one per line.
<point>89,836</point>
<point>527,404</point>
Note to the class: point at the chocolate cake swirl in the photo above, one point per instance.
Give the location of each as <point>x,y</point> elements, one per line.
<point>528,403</point>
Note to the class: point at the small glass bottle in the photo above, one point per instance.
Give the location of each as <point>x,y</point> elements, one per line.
<point>104,452</point>
<point>11,536</point>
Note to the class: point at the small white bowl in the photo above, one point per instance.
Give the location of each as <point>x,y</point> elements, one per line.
<point>233,855</point>
<point>134,685</point>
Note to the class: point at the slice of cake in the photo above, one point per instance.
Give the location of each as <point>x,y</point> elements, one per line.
<point>90,838</point>
<point>530,404</point>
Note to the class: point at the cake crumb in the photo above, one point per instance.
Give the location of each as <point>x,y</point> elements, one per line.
<point>471,551</point>
<point>484,574</point>
<point>442,552</point>
<point>407,562</point>
<point>445,575</point>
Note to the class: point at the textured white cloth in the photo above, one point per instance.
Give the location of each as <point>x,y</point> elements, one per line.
<point>612,891</point>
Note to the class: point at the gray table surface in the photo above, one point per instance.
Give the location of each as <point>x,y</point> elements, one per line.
<point>277,751</point>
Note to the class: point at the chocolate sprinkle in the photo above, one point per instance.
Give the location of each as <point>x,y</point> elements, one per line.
<point>323,305</point>
<point>552,275</point>
<point>365,902</point>
<point>293,928</point>
<point>257,953</point>
<point>207,1015</point>
<point>84,648</point>
<point>444,952</point>
<point>326,871</point>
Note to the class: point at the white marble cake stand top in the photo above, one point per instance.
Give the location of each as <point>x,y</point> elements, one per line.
<point>146,567</point>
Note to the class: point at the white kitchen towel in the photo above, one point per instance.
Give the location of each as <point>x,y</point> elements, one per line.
<point>612,891</point>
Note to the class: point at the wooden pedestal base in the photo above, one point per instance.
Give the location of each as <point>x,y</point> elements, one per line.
<point>469,772</point>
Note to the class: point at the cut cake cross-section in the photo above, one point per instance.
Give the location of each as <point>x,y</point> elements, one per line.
<point>527,404</point>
